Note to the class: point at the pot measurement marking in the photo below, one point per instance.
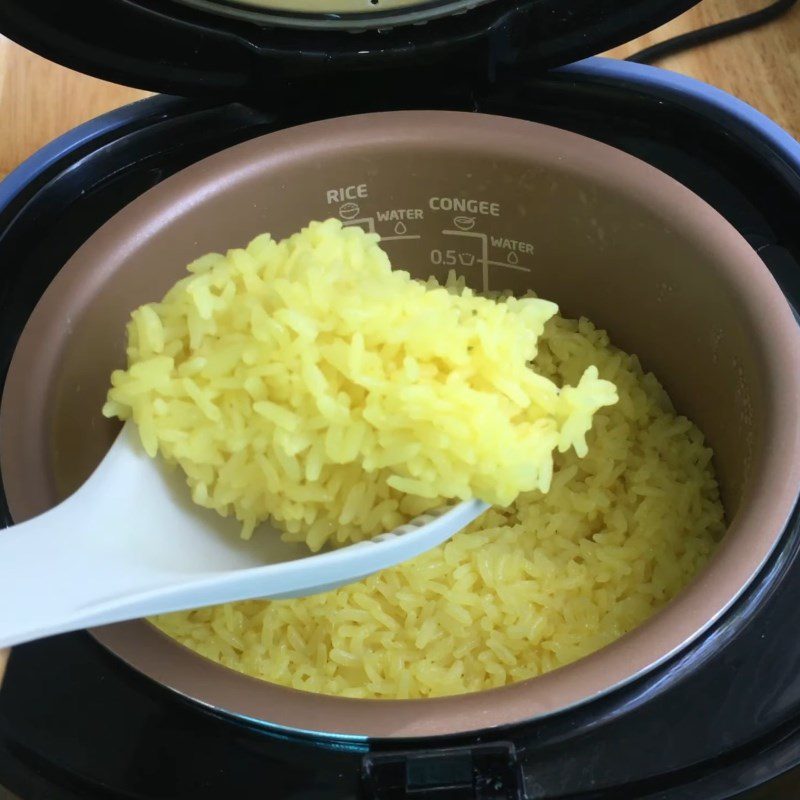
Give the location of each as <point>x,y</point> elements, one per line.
<point>349,211</point>
<point>370,223</point>
<point>485,261</point>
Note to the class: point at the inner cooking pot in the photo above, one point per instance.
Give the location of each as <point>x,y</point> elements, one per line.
<point>508,204</point>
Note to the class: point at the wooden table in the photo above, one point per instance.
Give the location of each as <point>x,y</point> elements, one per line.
<point>761,67</point>
<point>41,100</point>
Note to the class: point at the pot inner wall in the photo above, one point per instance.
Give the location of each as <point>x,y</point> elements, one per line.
<point>509,205</point>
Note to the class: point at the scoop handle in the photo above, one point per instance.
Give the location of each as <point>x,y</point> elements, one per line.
<point>62,571</point>
<point>58,570</point>
<point>130,543</point>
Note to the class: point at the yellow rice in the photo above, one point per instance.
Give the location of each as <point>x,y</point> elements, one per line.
<point>530,586</point>
<point>307,381</point>
<point>526,589</point>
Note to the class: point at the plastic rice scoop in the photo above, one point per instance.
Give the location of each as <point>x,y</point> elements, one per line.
<point>131,543</point>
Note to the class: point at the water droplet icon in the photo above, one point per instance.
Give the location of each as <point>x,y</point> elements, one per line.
<point>400,229</point>
<point>513,258</point>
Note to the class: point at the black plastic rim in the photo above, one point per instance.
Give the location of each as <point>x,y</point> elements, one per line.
<point>167,46</point>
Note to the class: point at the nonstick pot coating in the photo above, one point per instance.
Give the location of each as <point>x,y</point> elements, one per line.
<point>511,205</point>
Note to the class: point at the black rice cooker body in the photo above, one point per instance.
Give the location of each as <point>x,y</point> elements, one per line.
<point>720,718</point>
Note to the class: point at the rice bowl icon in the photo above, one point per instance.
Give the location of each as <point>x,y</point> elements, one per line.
<point>464,223</point>
<point>349,210</point>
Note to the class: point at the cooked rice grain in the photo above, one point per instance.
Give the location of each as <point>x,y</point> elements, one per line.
<point>525,589</point>
<point>307,381</point>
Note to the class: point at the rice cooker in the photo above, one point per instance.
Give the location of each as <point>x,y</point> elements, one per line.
<point>259,90</point>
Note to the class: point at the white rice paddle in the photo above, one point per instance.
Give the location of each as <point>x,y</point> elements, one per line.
<point>131,543</point>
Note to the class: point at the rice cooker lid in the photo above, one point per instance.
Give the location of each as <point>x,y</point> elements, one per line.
<point>247,49</point>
